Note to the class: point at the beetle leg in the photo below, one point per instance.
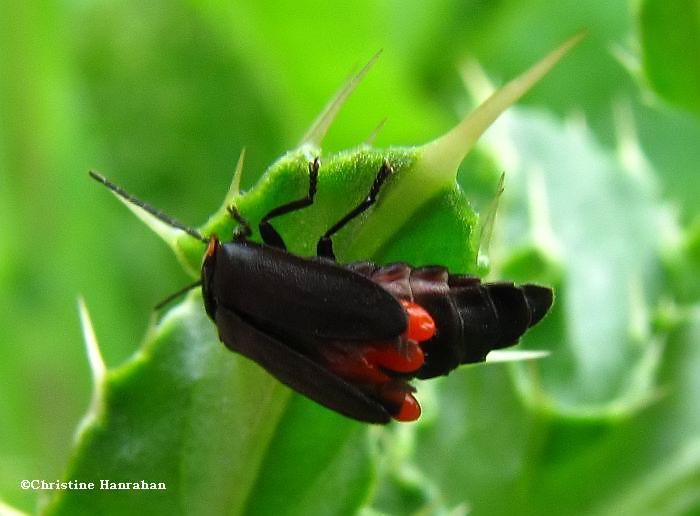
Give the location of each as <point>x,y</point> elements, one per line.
<point>243,230</point>
<point>269,234</point>
<point>324,247</point>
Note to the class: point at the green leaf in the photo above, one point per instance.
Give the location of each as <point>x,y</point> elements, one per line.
<point>670,37</point>
<point>402,230</point>
<point>610,278</point>
<point>216,428</point>
<point>219,432</point>
<point>210,425</point>
<point>683,264</point>
<point>162,96</point>
<point>586,410</point>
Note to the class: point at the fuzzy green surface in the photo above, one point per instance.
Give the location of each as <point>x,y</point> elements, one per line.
<point>216,429</point>
<point>222,434</point>
<point>424,227</point>
<point>162,96</point>
<point>671,45</point>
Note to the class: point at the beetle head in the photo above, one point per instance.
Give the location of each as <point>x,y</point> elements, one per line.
<point>208,266</point>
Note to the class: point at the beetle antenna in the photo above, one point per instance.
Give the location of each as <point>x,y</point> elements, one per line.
<point>177,294</point>
<point>163,217</point>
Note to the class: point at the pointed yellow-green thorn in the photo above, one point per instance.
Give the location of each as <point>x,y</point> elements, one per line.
<point>441,158</point>
<point>168,234</point>
<point>444,154</point>
<point>502,355</point>
<point>487,224</point>
<point>314,136</point>
<point>235,189</point>
<point>97,365</point>
<point>234,192</point>
<point>92,349</point>
<point>165,226</point>
<point>435,169</point>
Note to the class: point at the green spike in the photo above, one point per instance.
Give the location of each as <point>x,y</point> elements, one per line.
<point>314,136</point>
<point>444,154</point>
<point>503,355</point>
<point>234,190</point>
<point>97,367</point>
<point>92,349</point>
<point>435,169</point>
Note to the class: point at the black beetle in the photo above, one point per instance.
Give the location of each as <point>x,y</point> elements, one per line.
<point>351,336</point>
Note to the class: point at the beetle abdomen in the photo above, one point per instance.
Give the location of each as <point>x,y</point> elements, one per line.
<point>472,318</point>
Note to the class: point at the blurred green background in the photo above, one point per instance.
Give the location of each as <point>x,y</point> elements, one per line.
<point>162,96</point>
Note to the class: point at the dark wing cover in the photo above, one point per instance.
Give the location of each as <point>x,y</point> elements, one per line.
<point>298,296</point>
<point>297,371</point>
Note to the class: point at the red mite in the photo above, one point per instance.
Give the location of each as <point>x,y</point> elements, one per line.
<point>351,336</point>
